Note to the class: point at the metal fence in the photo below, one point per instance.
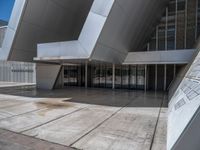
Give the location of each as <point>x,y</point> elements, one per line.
<point>17,72</point>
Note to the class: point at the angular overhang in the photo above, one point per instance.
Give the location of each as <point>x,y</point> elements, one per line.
<point>107,29</point>
<point>36,21</point>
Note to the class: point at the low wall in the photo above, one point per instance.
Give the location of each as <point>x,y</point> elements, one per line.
<point>17,72</point>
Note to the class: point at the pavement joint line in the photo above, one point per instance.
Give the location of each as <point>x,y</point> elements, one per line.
<point>155,128</point>
<point>113,114</point>
<point>22,132</point>
<point>22,113</point>
<point>38,139</point>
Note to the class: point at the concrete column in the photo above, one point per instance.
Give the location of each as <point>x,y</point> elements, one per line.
<point>86,74</point>
<point>113,76</point>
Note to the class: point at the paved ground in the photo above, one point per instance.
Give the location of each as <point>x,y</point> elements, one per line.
<point>93,119</point>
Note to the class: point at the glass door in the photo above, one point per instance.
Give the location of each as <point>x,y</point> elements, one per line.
<point>140,77</point>
<point>70,76</point>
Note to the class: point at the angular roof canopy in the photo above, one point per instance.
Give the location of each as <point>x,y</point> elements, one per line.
<point>103,30</point>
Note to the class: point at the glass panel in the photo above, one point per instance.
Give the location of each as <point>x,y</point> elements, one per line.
<point>109,76</point>
<point>118,77</point>
<point>95,75</point>
<point>171,28</point>
<point>125,76</point>
<point>181,25</point>
<point>152,44</point>
<point>191,23</point>
<point>140,77</point>
<point>198,19</point>
<point>170,75</point>
<point>160,83</point>
<point>161,37</point>
<point>161,33</point>
<point>102,75</point>
<point>70,76</point>
<point>133,81</point>
<point>151,77</point>
<point>82,75</point>
<point>171,37</point>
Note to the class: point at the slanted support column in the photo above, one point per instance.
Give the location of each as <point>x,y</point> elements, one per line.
<point>86,74</point>
<point>113,76</point>
<point>46,75</point>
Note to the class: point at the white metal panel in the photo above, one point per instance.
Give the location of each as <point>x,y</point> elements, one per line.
<point>129,24</point>
<point>183,109</point>
<point>71,49</point>
<point>160,57</point>
<point>91,31</point>
<point>42,21</point>
<point>83,47</point>
<point>102,7</point>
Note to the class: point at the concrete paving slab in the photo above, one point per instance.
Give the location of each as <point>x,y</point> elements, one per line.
<point>53,110</point>
<point>8,102</point>
<point>160,139</point>
<point>14,141</point>
<point>19,109</point>
<point>67,130</point>
<point>62,118</point>
<point>131,128</point>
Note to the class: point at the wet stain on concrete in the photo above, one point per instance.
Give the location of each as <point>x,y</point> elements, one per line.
<point>51,105</point>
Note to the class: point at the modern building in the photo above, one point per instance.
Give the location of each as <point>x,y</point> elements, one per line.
<point>132,44</point>
<point>14,71</point>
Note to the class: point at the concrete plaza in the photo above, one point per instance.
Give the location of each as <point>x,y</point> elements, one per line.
<point>82,119</point>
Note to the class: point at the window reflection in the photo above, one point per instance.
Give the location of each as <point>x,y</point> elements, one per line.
<point>109,76</point>
<point>118,77</point>
<point>133,75</point>
<point>140,77</point>
<point>125,76</point>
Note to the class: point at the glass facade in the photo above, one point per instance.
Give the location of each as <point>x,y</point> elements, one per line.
<point>198,19</point>
<point>133,77</point>
<point>74,75</point>
<point>179,26</point>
